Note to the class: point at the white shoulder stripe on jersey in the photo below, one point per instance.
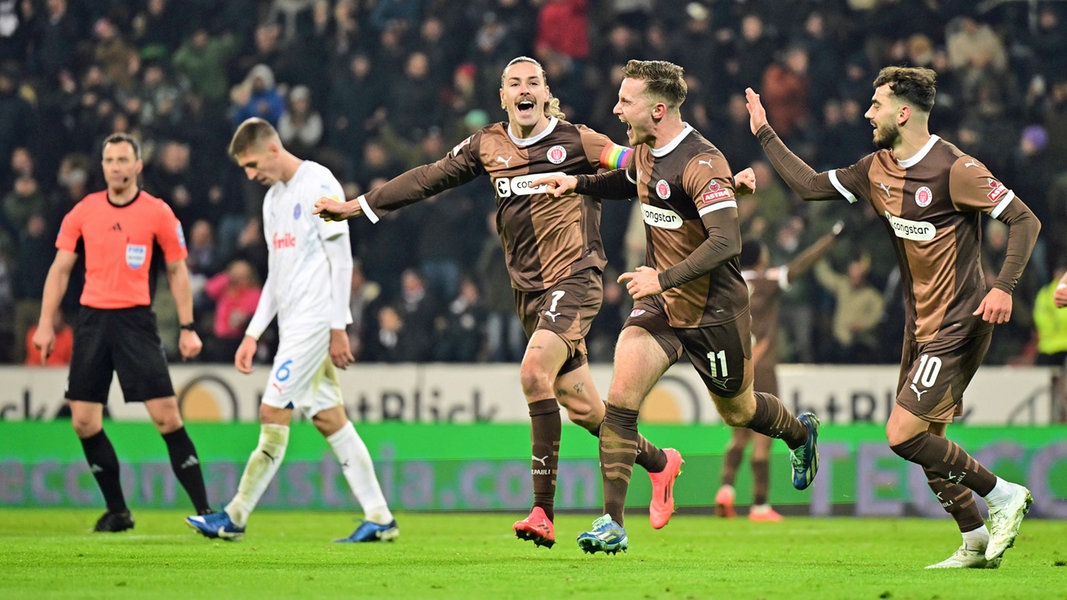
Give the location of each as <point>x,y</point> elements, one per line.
<point>840,188</point>
<point>783,279</point>
<point>1003,204</point>
<point>715,207</point>
<point>373,218</point>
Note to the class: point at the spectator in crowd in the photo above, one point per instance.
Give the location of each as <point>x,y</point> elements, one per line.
<point>300,127</point>
<point>257,96</point>
<point>362,303</point>
<point>235,294</point>
<point>36,249</point>
<point>462,337</point>
<point>201,59</point>
<point>1050,323</point>
<point>17,122</point>
<point>858,308</point>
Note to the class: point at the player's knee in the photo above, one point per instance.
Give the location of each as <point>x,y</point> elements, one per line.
<point>735,419</point>
<point>535,382</point>
<point>85,428</point>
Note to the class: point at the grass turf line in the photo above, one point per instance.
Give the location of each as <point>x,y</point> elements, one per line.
<point>50,553</point>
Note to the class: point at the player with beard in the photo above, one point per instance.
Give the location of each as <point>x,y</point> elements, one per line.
<point>932,197</point>
<point>689,298</point>
<point>555,258</point>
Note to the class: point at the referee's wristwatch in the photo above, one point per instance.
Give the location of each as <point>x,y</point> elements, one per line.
<point>187,326</point>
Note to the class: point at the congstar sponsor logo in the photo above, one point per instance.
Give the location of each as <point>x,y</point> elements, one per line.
<point>660,217</point>
<point>521,185</point>
<point>919,231</point>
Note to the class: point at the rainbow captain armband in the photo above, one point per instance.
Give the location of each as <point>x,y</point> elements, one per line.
<point>615,156</point>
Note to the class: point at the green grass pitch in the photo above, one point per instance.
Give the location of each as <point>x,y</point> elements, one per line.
<point>50,553</point>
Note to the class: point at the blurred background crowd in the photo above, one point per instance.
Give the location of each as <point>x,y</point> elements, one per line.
<point>370,88</point>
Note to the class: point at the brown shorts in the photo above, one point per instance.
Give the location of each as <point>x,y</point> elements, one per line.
<point>566,309</point>
<point>934,375</point>
<point>720,353</point>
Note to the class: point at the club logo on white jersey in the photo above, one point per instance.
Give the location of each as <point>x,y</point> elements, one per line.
<point>521,185</point>
<point>506,161</point>
<point>663,189</point>
<point>556,154</point>
<point>919,231</point>
<point>885,188</point>
<point>296,212</point>
<point>135,255</point>
<point>660,217</point>
<point>923,197</point>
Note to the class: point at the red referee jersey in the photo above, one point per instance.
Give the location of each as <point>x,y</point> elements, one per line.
<point>118,246</point>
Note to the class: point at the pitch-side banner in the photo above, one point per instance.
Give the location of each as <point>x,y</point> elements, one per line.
<point>440,393</point>
<point>487,467</point>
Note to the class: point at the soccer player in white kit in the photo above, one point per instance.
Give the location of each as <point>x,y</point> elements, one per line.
<point>307,288</point>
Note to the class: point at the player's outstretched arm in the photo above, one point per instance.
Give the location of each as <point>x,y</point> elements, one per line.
<point>757,115</point>
<point>557,186</point>
<point>334,210</point>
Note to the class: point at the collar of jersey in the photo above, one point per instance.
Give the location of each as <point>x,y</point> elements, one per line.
<point>664,151</point>
<point>522,142</point>
<point>921,154</point>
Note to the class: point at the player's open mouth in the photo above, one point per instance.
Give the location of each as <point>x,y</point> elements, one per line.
<point>525,107</point>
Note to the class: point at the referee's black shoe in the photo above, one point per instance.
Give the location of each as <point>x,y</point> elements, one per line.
<point>114,522</point>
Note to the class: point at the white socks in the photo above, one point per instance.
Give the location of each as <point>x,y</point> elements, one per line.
<point>260,470</point>
<point>976,539</point>
<point>358,470</point>
<point>1000,493</point>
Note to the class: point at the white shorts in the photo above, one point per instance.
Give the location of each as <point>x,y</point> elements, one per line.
<point>303,375</point>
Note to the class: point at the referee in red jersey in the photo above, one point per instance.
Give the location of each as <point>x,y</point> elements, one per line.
<point>115,330</point>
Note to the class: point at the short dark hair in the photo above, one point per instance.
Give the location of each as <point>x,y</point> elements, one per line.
<point>663,79</point>
<point>251,132</point>
<point>916,85</point>
<point>120,138</point>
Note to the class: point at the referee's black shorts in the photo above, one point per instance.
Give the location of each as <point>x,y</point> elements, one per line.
<point>122,340</point>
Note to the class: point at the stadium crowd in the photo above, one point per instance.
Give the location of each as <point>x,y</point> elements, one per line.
<point>370,88</point>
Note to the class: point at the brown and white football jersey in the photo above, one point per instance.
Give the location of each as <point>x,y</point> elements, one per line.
<point>680,185</point>
<point>545,239</point>
<point>932,205</point>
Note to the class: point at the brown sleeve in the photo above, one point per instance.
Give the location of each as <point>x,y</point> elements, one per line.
<point>459,166</point>
<point>794,171</point>
<point>722,245</point>
<point>1023,227</point>
<point>610,185</point>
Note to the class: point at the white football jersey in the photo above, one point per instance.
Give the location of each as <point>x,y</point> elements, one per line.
<point>295,237</point>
